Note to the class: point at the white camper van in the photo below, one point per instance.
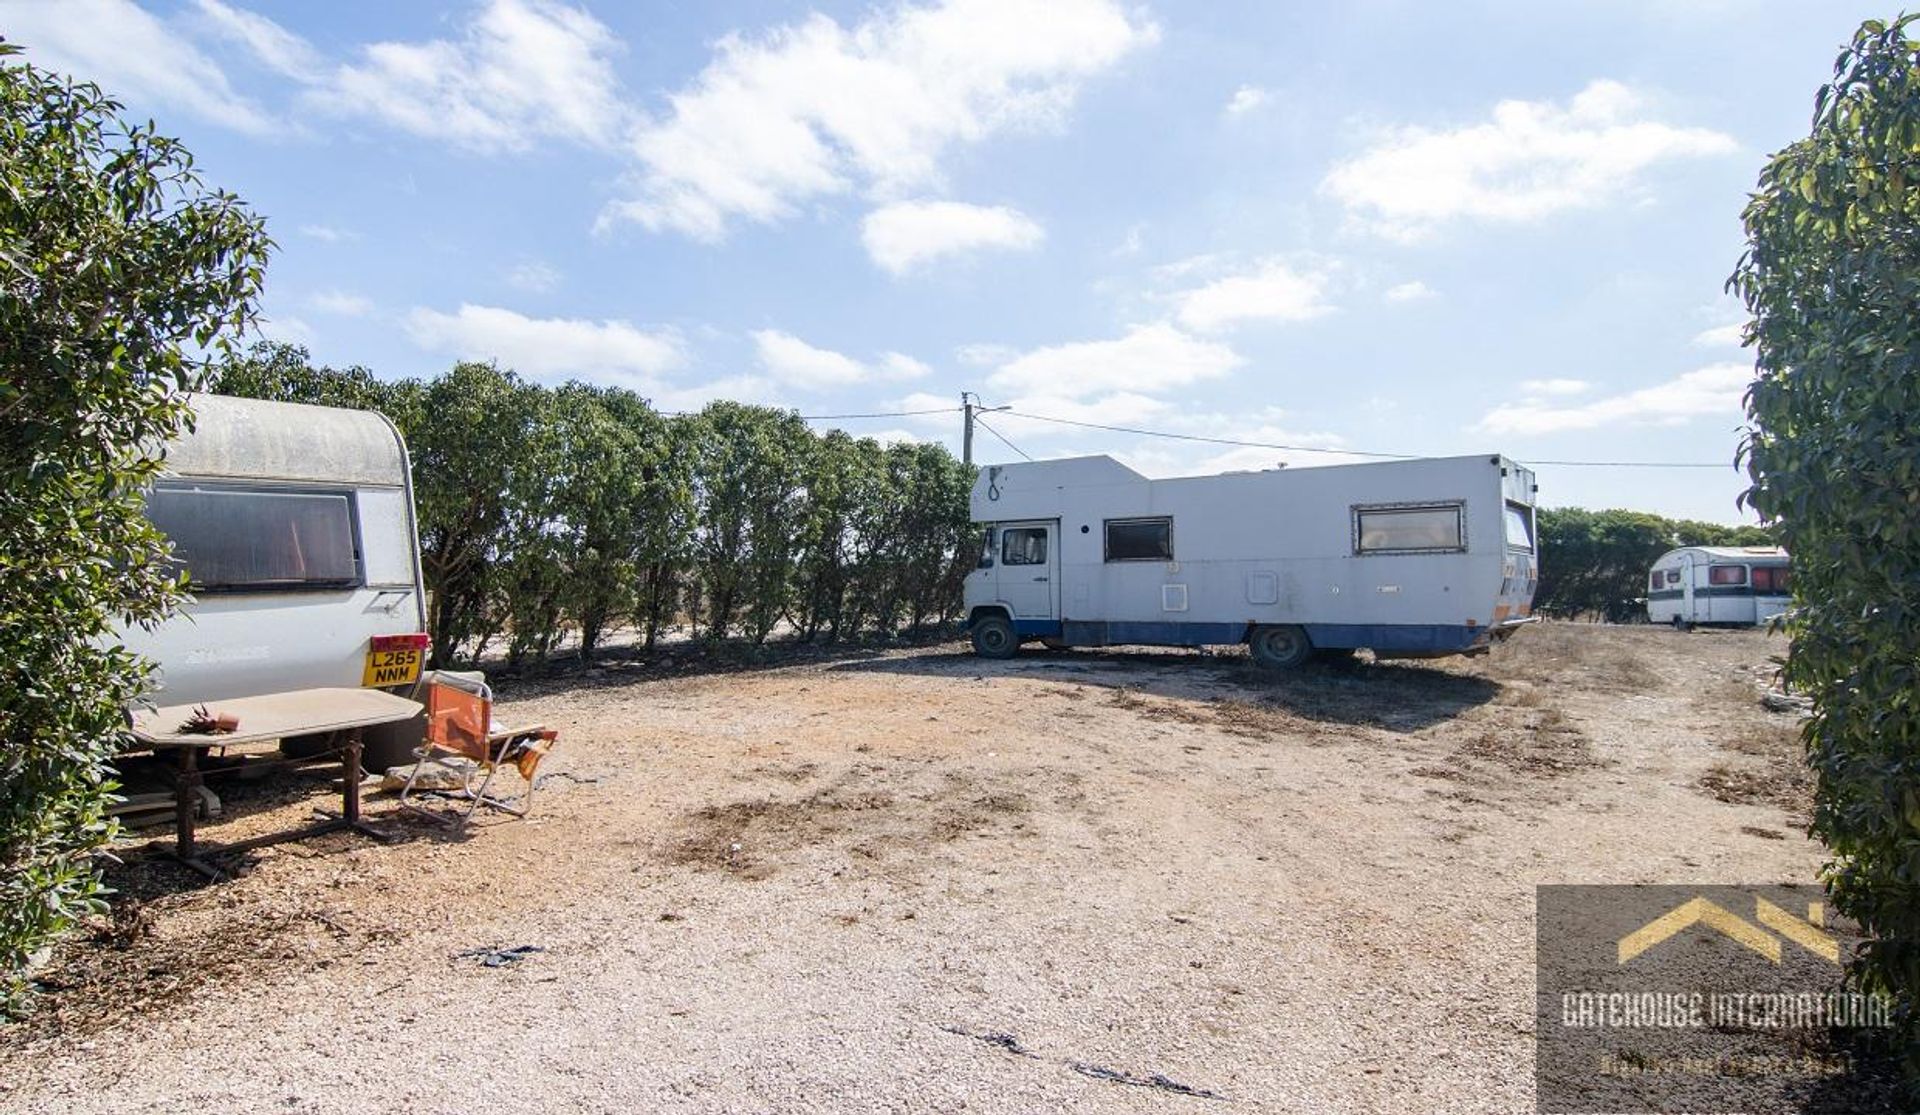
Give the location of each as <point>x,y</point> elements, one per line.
<point>295,525</point>
<point>1736,586</point>
<point>1418,558</point>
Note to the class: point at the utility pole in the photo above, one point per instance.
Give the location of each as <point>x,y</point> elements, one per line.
<point>969,406</point>
<point>966,437</point>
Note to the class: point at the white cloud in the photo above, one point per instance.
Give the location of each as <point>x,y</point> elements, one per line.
<point>1722,336</point>
<point>984,355</point>
<point>1555,387</point>
<point>342,303</point>
<point>1415,291</point>
<point>327,233</point>
<point>1245,99</point>
<point>534,275</point>
<point>789,360</point>
<point>1715,389</point>
<point>518,71</point>
<point>905,234</point>
<point>757,390</point>
<point>1272,292</point>
<point>276,48</point>
<point>1532,159</point>
<point>287,329</point>
<point>814,109</point>
<point>547,347</point>
<point>132,55</point>
<point>1148,358</point>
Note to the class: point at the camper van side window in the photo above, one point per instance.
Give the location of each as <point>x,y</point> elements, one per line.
<point>1024,546</point>
<point>1139,539</point>
<point>1770,579</point>
<point>1727,575</point>
<point>1656,579</point>
<point>1388,530</point>
<point>1673,576</point>
<point>234,539</point>
<point>986,549</point>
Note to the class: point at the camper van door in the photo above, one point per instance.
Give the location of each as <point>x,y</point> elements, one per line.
<point>1029,567</point>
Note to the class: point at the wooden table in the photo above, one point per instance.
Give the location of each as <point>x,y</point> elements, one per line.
<point>272,716</point>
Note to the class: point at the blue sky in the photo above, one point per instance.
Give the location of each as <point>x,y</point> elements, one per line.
<point>1374,226</point>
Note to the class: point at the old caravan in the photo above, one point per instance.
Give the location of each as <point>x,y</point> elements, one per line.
<point>295,526</point>
<point>1736,586</point>
<point>1407,558</point>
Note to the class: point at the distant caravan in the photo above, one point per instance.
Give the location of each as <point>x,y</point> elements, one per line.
<point>1410,559</point>
<point>1722,586</point>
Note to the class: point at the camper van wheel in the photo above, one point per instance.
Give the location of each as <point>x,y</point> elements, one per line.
<point>1280,647</point>
<point>993,637</point>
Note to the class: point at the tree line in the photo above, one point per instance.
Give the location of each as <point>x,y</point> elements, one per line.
<point>553,516</point>
<point>1593,564</point>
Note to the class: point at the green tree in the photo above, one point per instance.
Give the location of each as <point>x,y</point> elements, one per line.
<point>1831,276</point>
<point>120,271</point>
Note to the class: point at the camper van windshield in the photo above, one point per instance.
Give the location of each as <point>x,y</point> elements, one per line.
<point>240,539</point>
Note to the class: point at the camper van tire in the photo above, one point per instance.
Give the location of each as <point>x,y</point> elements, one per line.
<point>993,637</point>
<point>1279,646</point>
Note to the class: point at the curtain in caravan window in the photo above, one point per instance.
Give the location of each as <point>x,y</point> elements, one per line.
<point>241,539</point>
<point>1409,528</point>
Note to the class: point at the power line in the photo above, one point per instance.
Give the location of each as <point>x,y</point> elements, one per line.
<point>1209,440</point>
<point>1002,437</point>
<point>1345,452</point>
<point>838,417</point>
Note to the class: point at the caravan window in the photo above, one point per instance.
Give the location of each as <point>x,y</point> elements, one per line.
<point>1139,539</point>
<point>1771,579</point>
<point>236,539</point>
<point>1673,576</point>
<point>1519,527</point>
<point>1727,575</point>
<point>1024,546</point>
<point>1656,580</point>
<point>1430,529</point>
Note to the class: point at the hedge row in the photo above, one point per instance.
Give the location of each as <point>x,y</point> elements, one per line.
<point>550,514</point>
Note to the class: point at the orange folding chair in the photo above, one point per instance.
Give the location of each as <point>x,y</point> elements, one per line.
<point>460,725</point>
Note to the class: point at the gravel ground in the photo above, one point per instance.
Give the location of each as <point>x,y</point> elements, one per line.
<point>918,881</point>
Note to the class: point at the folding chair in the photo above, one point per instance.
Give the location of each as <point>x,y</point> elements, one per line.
<point>460,724</point>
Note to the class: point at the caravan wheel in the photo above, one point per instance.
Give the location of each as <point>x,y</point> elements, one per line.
<point>993,637</point>
<point>1280,647</point>
<point>1680,623</point>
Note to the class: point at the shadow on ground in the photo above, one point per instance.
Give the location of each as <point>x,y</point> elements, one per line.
<point>1396,696</point>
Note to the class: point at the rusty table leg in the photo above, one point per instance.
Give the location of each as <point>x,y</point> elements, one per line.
<point>186,799</point>
<point>350,791</point>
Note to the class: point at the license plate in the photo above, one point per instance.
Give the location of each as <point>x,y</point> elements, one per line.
<point>392,667</point>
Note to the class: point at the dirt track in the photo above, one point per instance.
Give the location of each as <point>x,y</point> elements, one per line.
<point>920,881</point>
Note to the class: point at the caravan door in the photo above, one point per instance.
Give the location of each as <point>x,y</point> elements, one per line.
<point>1029,568</point>
<point>1687,574</point>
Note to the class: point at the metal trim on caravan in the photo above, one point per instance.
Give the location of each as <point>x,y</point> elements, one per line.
<point>296,527</point>
<point>1733,586</point>
<point>1417,558</point>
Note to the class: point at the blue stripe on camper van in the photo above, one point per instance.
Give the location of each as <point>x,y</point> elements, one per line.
<point>1095,633</point>
<point>1395,636</point>
<point>1037,628</point>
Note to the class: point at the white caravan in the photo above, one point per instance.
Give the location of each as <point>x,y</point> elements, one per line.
<point>1417,558</point>
<point>295,526</point>
<point>1736,586</point>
